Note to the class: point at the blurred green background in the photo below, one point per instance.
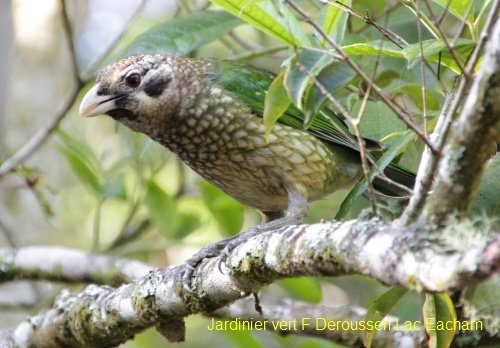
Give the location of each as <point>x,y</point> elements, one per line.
<point>96,186</point>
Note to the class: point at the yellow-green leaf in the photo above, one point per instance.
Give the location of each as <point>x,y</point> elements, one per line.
<point>161,208</point>
<point>275,103</point>
<point>438,311</point>
<point>335,21</point>
<point>82,170</point>
<point>458,8</point>
<point>379,309</point>
<point>251,11</point>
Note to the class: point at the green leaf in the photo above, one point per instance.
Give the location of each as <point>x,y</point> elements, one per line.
<point>276,103</point>
<point>298,81</point>
<point>458,8</point>
<point>379,309</point>
<point>281,12</point>
<point>332,77</point>
<point>335,21</point>
<point>411,53</point>
<point>438,308</point>
<point>161,208</point>
<point>374,48</point>
<point>42,199</point>
<point>82,170</point>
<point>303,288</point>
<point>378,120</point>
<point>227,212</point>
<point>81,149</point>
<point>182,35</point>
<point>432,48</point>
<point>256,13</point>
<point>389,155</point>
<point>414,92</point>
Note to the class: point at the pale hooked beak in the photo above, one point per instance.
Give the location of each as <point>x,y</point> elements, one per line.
<point>94,104</point>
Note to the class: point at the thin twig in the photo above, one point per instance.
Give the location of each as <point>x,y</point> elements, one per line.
<point>43,134</point>
<point>362,150</point>
<point>37,140</point>
<point>396,108</point>
<point>324,91</point>
<point>401,43</point>
<point>422,71</point>
<point>40,137</point>
<point>68,30</point>
<point>463,24</point>
<point>376,17</point>
<point>391,36</point>
<point>445,12</point>
<point>428,164</point>
<point>349,119</point>
<point>443,37</point>
<point>90,69</point>
<point>431,27</point>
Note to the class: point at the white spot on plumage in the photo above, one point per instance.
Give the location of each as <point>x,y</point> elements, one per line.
<point>226,99</point>
<point>215,92</point>
<point>272,138</point>
<point>241,133</point>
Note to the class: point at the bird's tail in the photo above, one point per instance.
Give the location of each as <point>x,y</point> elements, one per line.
<point>398,182</point>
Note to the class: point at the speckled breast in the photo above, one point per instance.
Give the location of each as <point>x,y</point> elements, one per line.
<point>225,143</point>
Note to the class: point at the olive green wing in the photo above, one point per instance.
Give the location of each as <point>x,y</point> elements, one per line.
<point>250,84</point>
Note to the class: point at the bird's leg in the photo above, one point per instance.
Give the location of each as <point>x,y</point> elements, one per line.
<point>297,210</point>
<point>270,216</point>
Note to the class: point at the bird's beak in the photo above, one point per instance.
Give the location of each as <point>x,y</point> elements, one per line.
<point>94,104</point>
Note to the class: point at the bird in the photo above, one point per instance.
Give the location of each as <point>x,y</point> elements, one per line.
<point>210,113</point>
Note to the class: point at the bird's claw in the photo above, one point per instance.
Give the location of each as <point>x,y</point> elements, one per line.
<point>222,259</point>
<point>221,249</point>
<point>187,277</point>
<point>189,273</point>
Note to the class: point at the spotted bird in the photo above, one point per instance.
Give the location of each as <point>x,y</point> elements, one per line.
<point>209,112</point>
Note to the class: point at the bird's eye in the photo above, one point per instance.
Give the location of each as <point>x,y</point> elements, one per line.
<point>133,79</point>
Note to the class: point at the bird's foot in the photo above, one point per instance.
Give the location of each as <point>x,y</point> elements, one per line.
<point>222,249</point>
<point>297,209</point>
<point>212,250</point>
<point>239,239</point>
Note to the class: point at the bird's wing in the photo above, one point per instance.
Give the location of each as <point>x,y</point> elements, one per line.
<point>250,84</point>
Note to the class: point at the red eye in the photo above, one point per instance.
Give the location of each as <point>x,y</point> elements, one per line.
<point>133,79</point>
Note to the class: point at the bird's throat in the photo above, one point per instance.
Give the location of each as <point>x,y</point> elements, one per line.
<point>120,113</point>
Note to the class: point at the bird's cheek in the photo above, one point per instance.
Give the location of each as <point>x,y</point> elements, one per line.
<point>121,113</point>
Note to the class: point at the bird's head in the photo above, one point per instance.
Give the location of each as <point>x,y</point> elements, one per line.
<point>142,92</point>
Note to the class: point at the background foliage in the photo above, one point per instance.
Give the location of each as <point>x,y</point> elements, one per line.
<point>97,186</point>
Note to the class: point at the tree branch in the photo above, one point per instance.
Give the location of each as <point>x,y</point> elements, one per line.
<point>33,144</point>
<point>471,143</point>
<point>66,265</point>
<point>310,319</point>
<point>429,162</point>
<point>102,316</point>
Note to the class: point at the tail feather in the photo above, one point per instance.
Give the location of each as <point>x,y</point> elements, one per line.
<point>396,175</point>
